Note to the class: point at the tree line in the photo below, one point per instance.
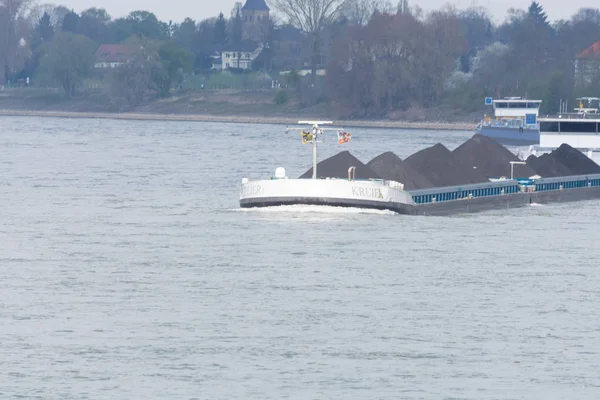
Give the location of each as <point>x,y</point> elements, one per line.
<point>457,57</point>
<point>379,57</point>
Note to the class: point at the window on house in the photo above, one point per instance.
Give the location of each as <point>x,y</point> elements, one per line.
<point>226,65</point>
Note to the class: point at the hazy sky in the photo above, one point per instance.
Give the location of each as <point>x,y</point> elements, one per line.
<point>177,10</point>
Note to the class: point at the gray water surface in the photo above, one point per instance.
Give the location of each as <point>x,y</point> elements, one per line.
<point>127,271</point>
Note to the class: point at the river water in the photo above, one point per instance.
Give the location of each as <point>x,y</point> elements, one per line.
<point>127,271</point>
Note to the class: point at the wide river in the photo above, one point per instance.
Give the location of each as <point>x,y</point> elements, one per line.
<point>127,271</point>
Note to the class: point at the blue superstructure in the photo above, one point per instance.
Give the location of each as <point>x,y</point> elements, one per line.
<point>502,188</point>
<point>450,193</point>
<point>510,135</point>
<point>514,121</point>
<point>567,182</point>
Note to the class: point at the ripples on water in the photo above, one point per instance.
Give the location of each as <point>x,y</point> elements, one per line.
<point>128,272</point>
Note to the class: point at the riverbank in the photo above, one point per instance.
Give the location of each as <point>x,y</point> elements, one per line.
<point>237,119</point>
<point>232,106</point>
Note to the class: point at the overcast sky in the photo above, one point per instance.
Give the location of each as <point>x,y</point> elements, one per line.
<point>177,10</point>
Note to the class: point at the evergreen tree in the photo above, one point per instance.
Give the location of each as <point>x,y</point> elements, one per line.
<point>44,29</point>
<point>237,32</point>
<point>43,32</point>
<point>184,34</point>
<point>220,36</point>
<point>537,14</point>
<point>70,22</point>
<point>204,43</point>
<point>42,35</point>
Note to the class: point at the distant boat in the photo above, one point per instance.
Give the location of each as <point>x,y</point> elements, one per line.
<point>579,129</point>
<point>514,122</point>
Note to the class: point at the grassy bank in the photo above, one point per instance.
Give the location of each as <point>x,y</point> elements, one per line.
<point>209,106</point>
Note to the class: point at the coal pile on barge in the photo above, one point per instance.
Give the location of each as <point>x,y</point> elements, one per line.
<point>547,166</point>
<point>577,162</point>
<point>563,161</point>
<point>490,158</point>
<point>440,167</point>
<point>391,167</point>
<point>337,167</point>
<point>475,161</point>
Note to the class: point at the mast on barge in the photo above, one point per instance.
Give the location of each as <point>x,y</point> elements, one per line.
<point>313,134</point>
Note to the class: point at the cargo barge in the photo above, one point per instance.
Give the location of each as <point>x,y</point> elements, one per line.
<point>504,195</point>
<point>386,195</point>
<point>381,194</point>
<point>514,121</point>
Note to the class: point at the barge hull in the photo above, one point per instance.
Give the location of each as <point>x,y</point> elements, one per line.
<point>332,202</point>
<point>507,201</point>
<point>465,206</point>
<point>511,136</point>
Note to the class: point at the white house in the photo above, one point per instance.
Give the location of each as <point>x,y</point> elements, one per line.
<point>240,56</point>
<point>587,65</point>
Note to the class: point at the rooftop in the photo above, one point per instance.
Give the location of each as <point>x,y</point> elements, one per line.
<point>255,5</point>
<point>113,53</point>
<point>591,52</point>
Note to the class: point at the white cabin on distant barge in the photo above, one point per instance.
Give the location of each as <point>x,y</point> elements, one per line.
<point>579,129</point>
<point>516,107</point>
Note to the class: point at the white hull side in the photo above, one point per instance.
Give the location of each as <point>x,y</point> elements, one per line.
<point>337,192</point>
<point>578,141</point>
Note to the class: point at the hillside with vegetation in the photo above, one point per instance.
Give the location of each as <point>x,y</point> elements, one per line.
<point>365,59</point>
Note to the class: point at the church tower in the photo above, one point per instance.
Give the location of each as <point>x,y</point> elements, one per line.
<point>255,17</point>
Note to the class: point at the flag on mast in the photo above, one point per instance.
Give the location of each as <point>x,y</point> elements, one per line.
<point>306,137</point>
<point>344,137</point>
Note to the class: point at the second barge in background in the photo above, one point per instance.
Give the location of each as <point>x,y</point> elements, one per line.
<point>579,129</point>
<point>514,121</point>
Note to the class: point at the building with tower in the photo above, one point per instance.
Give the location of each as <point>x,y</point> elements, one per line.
<point>255,19</point>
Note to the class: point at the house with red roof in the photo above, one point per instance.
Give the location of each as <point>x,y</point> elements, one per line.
<point>587,65</point>
<point>112,55</point>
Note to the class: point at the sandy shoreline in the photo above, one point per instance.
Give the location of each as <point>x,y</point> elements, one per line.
<point>238,119</point>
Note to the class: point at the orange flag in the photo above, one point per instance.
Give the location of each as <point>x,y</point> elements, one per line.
<point>343,137</point>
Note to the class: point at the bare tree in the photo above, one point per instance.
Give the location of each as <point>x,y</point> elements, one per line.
<point>11,12</point>
<point>394,62</point>
<point>312,17</point>
<point>403,7</point>
<point>56,13</point>
<point>360,11</point>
